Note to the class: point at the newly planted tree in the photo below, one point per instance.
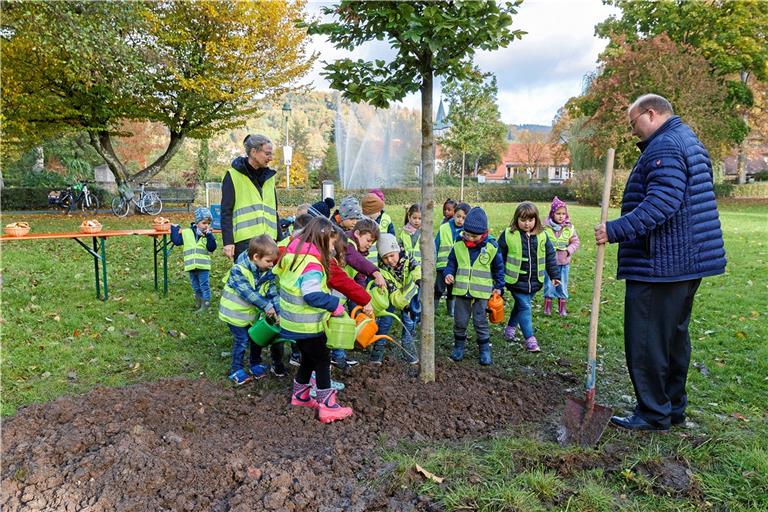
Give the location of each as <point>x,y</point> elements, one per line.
<point>429,39</point>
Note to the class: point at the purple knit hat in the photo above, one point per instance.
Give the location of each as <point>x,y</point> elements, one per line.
<point>559,203</point>
<point>378,193</point>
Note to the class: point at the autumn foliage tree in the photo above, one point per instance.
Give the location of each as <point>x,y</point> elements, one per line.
<point>196,67</point>
<point>658,66</point>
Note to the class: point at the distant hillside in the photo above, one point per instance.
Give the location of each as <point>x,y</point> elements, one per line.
<point>515,129</point>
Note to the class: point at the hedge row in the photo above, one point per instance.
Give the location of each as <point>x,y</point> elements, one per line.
<point>475,194</point>
<point>36,198</point>
<point>757,190</point>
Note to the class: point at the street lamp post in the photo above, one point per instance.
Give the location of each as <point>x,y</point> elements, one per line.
<point>287,150</point>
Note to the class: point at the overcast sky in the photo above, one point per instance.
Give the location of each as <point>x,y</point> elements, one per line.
<point>536,75</point>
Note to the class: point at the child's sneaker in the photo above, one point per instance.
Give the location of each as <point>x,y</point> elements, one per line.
<point>278,371</point>
<point>338,386</point>
<point>377,356</point>
<point>295,360</point>
<point>531,345</point>
<point>240,377</point>
<point>509,333</point>
<point>259,371</point>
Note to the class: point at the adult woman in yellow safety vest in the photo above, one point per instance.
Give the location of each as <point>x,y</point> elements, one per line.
<point>249,198</point>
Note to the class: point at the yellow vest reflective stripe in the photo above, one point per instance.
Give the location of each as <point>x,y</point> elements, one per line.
<point>515,256</point>
<point>412,248</point>
<point>196,256</point>
<point>349,269</point>
<point>475,278</point>
<point>559,242</point>
<point>254,214</point>
<point>232,308</point>
<point>295,314</point>
<point>446,244</point>
<point>384,222</point>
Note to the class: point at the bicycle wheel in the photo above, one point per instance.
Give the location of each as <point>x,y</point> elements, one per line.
<point>65,202</point>
<point>90,202</point>
<point>152,203</point>
<point>119,206</point>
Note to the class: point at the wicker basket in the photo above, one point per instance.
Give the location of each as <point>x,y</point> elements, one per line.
<point>90,230</point>
<point>162,228</point>
<point>16,231</point>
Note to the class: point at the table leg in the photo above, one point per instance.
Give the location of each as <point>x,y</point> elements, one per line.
<point>154,252</point>
<point>104,265</point>
<point>97,279</point>
<point>165,265</point>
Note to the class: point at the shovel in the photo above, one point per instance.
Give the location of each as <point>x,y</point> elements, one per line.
<point>583,420</point>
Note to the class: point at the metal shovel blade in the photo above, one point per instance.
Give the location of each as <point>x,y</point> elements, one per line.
<point>583,422</point>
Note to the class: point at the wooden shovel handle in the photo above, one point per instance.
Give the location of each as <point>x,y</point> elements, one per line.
<point>592,349</point>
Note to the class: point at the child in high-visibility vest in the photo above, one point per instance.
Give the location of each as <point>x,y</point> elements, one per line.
<point>446,236</point>
<point>198,242</point>
<point>403,276</point>
<point>562,234</point>
<point>305,304</point>
<point>528,255</point>
<point>476,271</point>
<point>250,288</point>
<point>410,236</point>
<point>373,208</point>
<point>449,207</point>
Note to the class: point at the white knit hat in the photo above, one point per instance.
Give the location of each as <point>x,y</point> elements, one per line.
<point>387,243</point>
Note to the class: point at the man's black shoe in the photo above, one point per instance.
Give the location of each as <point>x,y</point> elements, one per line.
<point>637,423</point>
<point>678,420</point>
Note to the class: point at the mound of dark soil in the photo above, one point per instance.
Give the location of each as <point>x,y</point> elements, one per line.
<point>201,445</point>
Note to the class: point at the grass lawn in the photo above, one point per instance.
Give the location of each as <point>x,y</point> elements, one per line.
<point>58,339</point>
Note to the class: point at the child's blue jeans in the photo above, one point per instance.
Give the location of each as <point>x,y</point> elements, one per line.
<point>561,291</point>
<point>241,341</point>
<point>201,283</point>
<point>521,313</point>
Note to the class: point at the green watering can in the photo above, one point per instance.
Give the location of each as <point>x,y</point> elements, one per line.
<point>340,332</point>
<point>264,332</point>
<point>379,298</point>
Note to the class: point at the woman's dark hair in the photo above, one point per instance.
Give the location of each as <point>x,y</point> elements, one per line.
<point>415,207</point>
<point>526,210</point>
<point>318,232</point>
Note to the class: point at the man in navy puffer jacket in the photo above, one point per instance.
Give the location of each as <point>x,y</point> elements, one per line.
<point>669,238</point>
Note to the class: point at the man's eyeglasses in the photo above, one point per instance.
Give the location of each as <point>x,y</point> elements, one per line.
<point>634,119</point>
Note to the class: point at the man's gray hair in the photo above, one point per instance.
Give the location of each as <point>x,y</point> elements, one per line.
<point>653,102</point>
<point>255,142</point>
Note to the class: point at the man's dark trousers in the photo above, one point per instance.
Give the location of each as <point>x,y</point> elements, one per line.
<point>658,348</point>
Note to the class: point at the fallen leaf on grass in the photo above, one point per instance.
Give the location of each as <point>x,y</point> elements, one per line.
<point>739,416</point>
<point>741,335</point>
<point>130,333</point>
<point>429,475</point>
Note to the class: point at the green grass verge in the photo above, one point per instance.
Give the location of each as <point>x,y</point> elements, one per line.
<point>57,339</point>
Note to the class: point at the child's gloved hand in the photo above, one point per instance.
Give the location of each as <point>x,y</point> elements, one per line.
<point>339,310</point>
<point>449,279</point>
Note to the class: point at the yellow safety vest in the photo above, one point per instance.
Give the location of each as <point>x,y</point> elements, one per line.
<point>408,284</point>
<point>373,253</point>
<point>515,256</point>
<point>232,308</point>
<point>475,278</point>
<point>254,214</point>
<point>446,244</point>
<point>411,247</point>
<point>196,256</point>
<point>295,314</point>
<point>560,243</point>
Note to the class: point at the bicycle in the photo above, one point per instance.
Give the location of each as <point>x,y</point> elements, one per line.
<point>77,194</point>
<point>148,202</point>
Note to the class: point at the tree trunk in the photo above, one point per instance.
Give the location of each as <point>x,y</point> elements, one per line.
<point>741,158</point>
<point>461,191</point>
<point>427,243</point>
<point>102,143</point>
<point>155,167</point>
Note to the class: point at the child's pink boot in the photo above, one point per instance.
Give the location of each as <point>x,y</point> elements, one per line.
<point>328,409</point>
<point>561,307</point>
<point>547,306</point>
<point>301,396</point>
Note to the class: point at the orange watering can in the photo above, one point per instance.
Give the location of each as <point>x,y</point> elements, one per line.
<point>365,333</point>
<point>496,309</point>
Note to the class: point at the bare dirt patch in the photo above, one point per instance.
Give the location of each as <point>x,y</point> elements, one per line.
<point>201,445</point>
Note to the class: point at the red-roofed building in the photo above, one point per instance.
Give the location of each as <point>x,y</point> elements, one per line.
<point>534,161</point>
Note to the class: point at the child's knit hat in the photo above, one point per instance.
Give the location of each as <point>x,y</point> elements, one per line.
<point>559,203</point>
<point>349,209</point>
<point>476,221</point>
<point>378,193</point>
<point>386,244</point>
<point>372,204</point>
<point>202,213</point>
<point>322,208</point>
